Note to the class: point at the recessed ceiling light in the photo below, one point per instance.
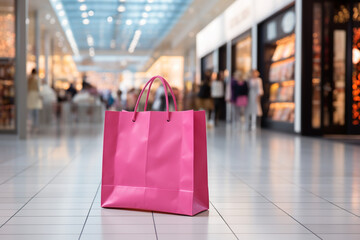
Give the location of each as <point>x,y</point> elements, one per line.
<point>81,0</point>
<point>91,13</point>
<point>84,14</point>
<point>86,21</point>
<point>150,1</point>
<point>121,8</point>
<point>148,8</point>
<point>142,22</point>
<point>109,19</point>
<point>91,51</point>
<point>122,0</point>
<point>128,22</point>
<point>64,22</point>
<point>61,13</point>
<point>145,15</point>
<point>83,7</point>
<point>59,6</point>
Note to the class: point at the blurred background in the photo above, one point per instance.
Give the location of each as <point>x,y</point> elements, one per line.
<point>67,61</point>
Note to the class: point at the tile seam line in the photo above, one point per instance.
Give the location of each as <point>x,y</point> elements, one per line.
<point>332,203</point>
<point>224,220</point>
<point>57,174</point>
<point>82,229</point>
<point>17,174</point>
<point>156,234</point>
<point>274,204</point>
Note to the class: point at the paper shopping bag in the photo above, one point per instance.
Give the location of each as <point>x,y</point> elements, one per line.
<point>155,161</point>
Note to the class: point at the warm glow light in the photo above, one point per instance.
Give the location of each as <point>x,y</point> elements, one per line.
<point>121,8</point>
<point>355,55</point>
<point>128,22</point>
<point>86,21</point>
<point>91,13</point>
<point>83,7</point>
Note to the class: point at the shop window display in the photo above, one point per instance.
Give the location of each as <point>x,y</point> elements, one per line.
<point>356,78</point>
<point>281,80</point>
<point>316,64</point>
<point>7,66</point>
<point>243,55</point>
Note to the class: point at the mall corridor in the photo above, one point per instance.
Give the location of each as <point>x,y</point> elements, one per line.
<point>263,185</point>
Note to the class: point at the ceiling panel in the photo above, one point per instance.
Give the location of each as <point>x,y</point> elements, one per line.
<point>123,25</point>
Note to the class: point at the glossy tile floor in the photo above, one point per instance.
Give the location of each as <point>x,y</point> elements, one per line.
<point>263,185</point>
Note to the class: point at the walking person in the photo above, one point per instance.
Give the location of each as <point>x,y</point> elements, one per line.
<point>240,90</point>
<point>253,109</point>
<point>217,94</point>
<point>204,100</point>
<point>34,102</point>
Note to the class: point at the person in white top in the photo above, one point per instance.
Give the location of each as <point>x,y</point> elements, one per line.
<point>253,108</point>
<point>217,93</point>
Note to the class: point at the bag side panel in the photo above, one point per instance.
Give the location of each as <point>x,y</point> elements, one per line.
<point>201,192</point>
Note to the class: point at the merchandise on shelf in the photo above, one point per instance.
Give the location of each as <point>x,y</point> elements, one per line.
<point>281,81</point>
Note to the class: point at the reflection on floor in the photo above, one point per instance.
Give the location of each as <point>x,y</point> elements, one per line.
<point>263,185</point>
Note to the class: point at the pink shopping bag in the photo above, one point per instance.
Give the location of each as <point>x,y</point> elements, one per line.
<point>155,161</point>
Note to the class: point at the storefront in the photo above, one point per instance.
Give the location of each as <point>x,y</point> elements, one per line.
<point>241,53</point>
<point>331,84</point>
<point>207,65</point>
<point>7,67</point>
<point>276,64</point>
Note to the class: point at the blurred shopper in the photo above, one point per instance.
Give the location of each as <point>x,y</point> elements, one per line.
<point>240,92</point>
<point>131,98</point>
<point>71,91</point>
<point>204,100</point>
<point>34,102</point>
<point>217,94</point>
<point>49,98</point>
<point>253,108</point>
<point>119,106</point>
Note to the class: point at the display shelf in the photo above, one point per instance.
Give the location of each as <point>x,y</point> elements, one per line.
<point>282,60</point>
<point>283,81</point>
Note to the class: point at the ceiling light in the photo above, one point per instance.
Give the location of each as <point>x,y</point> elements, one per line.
<point>91,13</point>
<point>142,21</point>
<point>81,1</point>
<point>134,41</point>
<point>122,0</point>
<point>150,1</point>
<point>91,51</point>
<point>148,8</point>
<point>64,22</point>
<point>84,14</point>
<point>145,15</point>
<point>86,21</point>
<point>90,40</point>
<point>121,8</point>
<point>83,7</point>
<point>59,6</point>
<point>109,19</point>
<point>128,22</point>
<point>61,13</point>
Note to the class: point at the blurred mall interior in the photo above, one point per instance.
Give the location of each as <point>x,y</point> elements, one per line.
<point>279,80</point>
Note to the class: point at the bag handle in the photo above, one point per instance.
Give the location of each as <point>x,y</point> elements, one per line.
<point>171,91</point>
<point>165,85</point>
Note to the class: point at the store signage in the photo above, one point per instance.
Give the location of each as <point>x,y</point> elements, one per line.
<point>288,22</point>
<point>280,25</point>
<point>238,18</point>
<point>271,31</point>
